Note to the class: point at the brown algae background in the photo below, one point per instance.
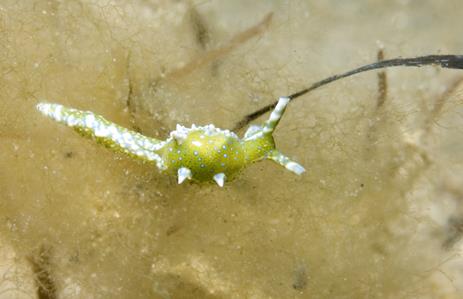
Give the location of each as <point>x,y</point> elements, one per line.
<point>378,214</point>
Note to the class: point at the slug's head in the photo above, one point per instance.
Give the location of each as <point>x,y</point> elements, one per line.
<point>259,144</point>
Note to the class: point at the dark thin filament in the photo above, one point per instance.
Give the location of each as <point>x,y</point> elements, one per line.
<point>445,61</point>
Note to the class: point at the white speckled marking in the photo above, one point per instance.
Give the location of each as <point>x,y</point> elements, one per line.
<point>126,141</point>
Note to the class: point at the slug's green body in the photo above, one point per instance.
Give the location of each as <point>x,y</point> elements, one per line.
<point>199,153</point>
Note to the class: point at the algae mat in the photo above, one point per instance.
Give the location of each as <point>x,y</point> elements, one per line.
<point>377,214</point>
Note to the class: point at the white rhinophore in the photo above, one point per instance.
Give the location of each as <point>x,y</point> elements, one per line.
<point>286,162</point>
<point>295,167</point>
<point>252,130</point>
<point>276,115</point>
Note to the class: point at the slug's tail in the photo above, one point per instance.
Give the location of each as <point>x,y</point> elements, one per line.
<point>105,132</point>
